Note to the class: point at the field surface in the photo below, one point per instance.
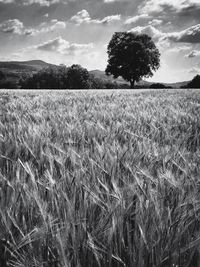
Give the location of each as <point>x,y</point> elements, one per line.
<point>100,178</point>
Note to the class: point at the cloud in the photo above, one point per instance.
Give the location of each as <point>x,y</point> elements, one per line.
<point>7,1</point>
<point>81,17</point>
<point>137,18</point>
<point>84,17</point>
<point>62,46</point>
<point>17,27</point>
<point>194,70</point>
<point>189,35</point>
<point>193,54</point>
<point>31,2</point>
<point>158,6</point>
<point>149,30</point>
<point>155,22</point>
<point>54,24</point>
<point>14,26</point>
<point>111,1</point>
<point>179,49</point>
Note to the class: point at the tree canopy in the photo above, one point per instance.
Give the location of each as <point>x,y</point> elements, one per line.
<point>132,56</point>
<point>195,83</point>
<point>60,77</point>
<point>2,75</point>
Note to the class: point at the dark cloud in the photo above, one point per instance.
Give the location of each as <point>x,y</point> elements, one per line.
<point>189,35</point>
<point>181,13</point>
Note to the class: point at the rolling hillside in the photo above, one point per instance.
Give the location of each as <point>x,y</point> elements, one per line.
<point>32,65</point>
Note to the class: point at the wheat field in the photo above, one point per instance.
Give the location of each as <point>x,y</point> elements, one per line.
<point>100,178</point>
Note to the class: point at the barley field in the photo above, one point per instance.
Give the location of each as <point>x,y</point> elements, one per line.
<point>100,178</point>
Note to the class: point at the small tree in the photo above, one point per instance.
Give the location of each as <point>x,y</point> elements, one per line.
<point>78,77</point>
<point>195,83</point>
<point>2,75</point>
<point>132,56</point>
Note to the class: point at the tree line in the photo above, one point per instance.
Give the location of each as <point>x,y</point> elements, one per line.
<point>63,77</point>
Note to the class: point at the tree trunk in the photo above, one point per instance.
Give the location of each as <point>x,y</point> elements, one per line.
<point>132,83</point>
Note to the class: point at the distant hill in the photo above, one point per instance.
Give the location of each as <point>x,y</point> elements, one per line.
<point>32,65</point>
<point>14,70</point>
<point>176,85</point>
<point>101,74</point>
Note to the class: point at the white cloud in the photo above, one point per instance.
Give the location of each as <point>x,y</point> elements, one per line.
<point>13,26</point>
<point>30,2</point>
<point>109,19</point>
<point>189,35</point>
<point>157,6</point>
<point>54,24</point>
<point>179,49</point>
<point>7,1</point>
<point>81,16</point>
<point>137,18</point>
<point>84,17</point>
<point>193,54</point>
<point>62,46</point>
<point>149,30</point>
<point>111,1</point>
<point>194,70</point>
<point>17,27</point>
<point>155,22</point>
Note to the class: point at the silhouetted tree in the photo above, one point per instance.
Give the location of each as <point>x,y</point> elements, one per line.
<point>2,75</point>
<point>195,83</point>
<point>157,86</point>
<point>132,56</point>
<point>47,78</point>
<point>78,77</point>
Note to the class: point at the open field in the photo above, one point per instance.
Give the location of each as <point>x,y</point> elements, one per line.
<point>100,178</point>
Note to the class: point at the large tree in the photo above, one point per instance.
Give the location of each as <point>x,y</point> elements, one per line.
<point>132,56</point>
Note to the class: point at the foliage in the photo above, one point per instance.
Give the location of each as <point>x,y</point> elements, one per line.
<point>51,77</point>
<point>62,77</point>
<point>100,179</point>
<point>132,56</point>
<point>7,81</point>
<point>195,83</point>
<point>159,86</point>
<point>78,77</point>
<point>2,75</point>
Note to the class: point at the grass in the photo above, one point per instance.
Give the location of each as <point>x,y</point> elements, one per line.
<point>105,178</point>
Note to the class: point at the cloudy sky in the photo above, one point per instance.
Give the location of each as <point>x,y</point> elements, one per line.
<point>78,31</point>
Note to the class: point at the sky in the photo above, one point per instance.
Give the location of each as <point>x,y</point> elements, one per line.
<point>78,32</point>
